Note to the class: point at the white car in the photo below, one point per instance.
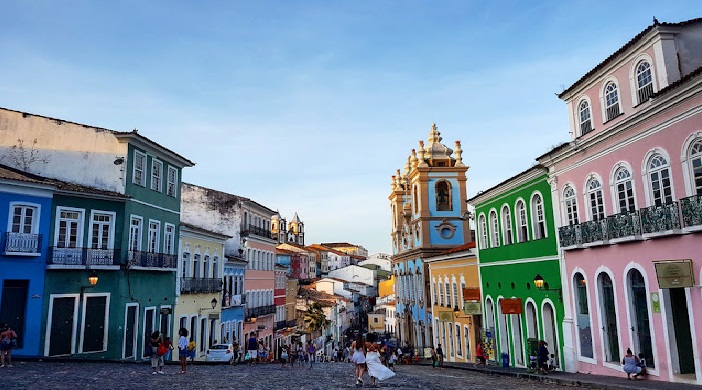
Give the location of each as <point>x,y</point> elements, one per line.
<point>220,353</point>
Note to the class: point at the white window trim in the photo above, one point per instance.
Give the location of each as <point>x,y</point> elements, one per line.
<point>107,321</point>
<point>587,192</point>
<point>482,230</point>
<point>136,331</point>
<point>111,238</point>
<point>81,224</point>
<point>578,123</point>
<point>534,215</point>
<point>144,171</point>
<point>170,251</point>
<point>35,219</point>
<point>507,230</point>
<point>143,327</point>
<point>141,232</point>
<point>613,185</point>
<point>688,174</point>
<point>494,230</point>
<point>601,314</point>
<point>537,331</point>
<point>633,77</point>
<point>556,329</point>
<point>645,174</point>
<point>603,100</point>
<point>168,181</point>
<point>564,208</point>
<point>158,236</point>
<point>629,318</point>
<point>154,162</point>
<point>518,217</point>
<point>576,335</point>
<point>74,329</point>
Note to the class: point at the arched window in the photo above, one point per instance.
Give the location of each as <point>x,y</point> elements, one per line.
<point>443,196</point>
<point>436,293</point>
<point>594,198</point>
<point>455,294</point>
<point>441,294</point>
<point>494,230</point>
<point>659,179</point>
<point>585,117</point>
<point>624,187</point>
<point>415,199</point>
<point>538,222</point>
<point>696,166</point>
<point>611,101</point>
<point>448,293</point>
<point>644,81</point>
<point>482,230</point>
<point>583,316</point>
<point>522,229</point>
<point>638,307</point>
<point>571,206</point>
<point>506,226</point>
<point>608,317</point>
<point>532,321</point>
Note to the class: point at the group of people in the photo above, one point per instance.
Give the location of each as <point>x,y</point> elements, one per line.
<point>634,364</point>
<point>8,341</point>
<point>159,349</point>
<point>366,355</point>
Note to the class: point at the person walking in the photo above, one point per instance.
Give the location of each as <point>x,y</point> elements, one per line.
<point>440,355</point>
<point>183,349</point>
<point>252,348</point>
<point>432,353</point>
<point>169,345</point>
<point>631,365</point>
<point>191,349</point>
<point>310,352</point>
<point>156,358</point>
<point>300,354</point>
<point>8,340</point>
<point>283,355</point>
<point>359,358</point>
<point>376,369</point>
<point>236,349</point>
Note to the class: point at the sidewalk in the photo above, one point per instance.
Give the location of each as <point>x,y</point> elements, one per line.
<point>588,381</point>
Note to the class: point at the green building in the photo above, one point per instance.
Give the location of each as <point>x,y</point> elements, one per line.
<point>519,268</point>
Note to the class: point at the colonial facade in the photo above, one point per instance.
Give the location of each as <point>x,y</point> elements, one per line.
<point>626,192</point>
<point>456,326</point>
<point>233,300</point>
<point>429,216</point>
<point>518,248</point>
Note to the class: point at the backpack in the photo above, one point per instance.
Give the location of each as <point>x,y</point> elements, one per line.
<point>162,349</point>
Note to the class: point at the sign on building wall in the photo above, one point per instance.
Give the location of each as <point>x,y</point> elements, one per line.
<point>472,308</point>
<point>675,273</point>
<point>511,306</point>
<point>446,316</point>
<point>471,294</point>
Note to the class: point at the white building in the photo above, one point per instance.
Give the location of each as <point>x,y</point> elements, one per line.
<point>355,274</point>
<point>382,260</point>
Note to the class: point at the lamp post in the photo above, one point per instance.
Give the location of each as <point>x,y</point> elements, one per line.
<point>542,285</point>
<point>92,279</point>
<point>213,303</point>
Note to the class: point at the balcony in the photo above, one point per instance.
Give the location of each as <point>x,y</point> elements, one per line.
<point>570,236</point>
<point>259,311</point>
<point>593,231</point>
<point>691,208</point>
<point>258,231</point>
<point>200,285</point>
<point>279,325</point>
<point>151,260</point>
<point>660,219</point>
<point>83,257</point>
<point>22,243</point>
<point>624,225</point>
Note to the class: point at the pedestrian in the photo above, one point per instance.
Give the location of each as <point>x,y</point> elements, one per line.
<point>376,369</point>
<point>183,349</point>
<point>359,358</point>
<point>440,355</point>
<point>310,352</point>
<point>301,354</point>
<point>543,357</point>
<point>631,365</point>
<point>411,353</point>
<point>8,340</point>
<point>283,355</point>
<point>480,353</point>
<point>252,348</point>
<point>552,363</point>
<point>236,349</point>
<point>156,355</point>
<point>339,355</point>
<point>168,344</point>
<point>347,354</point>
<point>392,360</point>
<point>642,363</point>
<point>432,353</point>
<point>191,349</point>
<point>399,354</point>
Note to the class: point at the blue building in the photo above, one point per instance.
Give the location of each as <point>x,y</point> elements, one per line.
<point>25,203</point>
<point>233,300</point>
<point>429,217</point>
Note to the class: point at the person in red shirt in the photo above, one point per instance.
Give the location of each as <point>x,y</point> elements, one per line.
<point>7,337</point>
<point>480,352</point>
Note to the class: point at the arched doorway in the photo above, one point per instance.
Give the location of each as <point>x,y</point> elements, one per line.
<point>608,316</point>
<point>517,340</point>
<point>549,321</point>
<point>490,326</point>
<point>504,336</point>
<point>640,326</point>
<point>532,321</point>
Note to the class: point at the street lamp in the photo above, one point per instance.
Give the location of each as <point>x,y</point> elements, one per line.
<point>542,285</point>
<point>92,279</point>
<point>213,302</point>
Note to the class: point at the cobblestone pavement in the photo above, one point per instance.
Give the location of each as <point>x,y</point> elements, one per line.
<point>88,375</point>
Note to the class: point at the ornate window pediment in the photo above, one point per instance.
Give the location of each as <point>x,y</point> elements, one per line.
<point>446,229</point>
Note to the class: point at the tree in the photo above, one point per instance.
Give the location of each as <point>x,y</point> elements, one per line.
<point>315,319</point>
<point>22,156</point>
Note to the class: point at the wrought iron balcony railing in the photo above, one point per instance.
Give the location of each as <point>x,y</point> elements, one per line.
<point>626,224</point>
<point>570,235</point>
<point>691,208</point>
<point>279,325</point>
<point>22,242</point>
<point>83,256</point>
<point>197,285</point>
<point>663,218</point>
<point>593,231</point>
<point>259,311</point>
<point>151,260</point>
<point>259,231</point>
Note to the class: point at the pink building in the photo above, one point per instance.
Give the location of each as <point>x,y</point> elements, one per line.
<point>628,189</point>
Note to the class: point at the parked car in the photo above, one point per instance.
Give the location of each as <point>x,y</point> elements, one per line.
<point>220,353</point>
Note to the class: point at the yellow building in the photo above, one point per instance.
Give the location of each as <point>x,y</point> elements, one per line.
<point>199,287</point>
<point>376,321</point>
<point>455,298</point>
<point>386,288</point>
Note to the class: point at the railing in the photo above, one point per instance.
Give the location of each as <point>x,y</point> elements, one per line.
<point>83,256</point>
<point>586,127</point>
<point>259,311</point>
<point>645,93</point>
<point>151,259</point>
<point>195,285</point>
<point>570,235</point>
<point>291,323</point>
<point>279,325</point>
<point>612,111</point>
<point>655,219</point>
<point>259,231</point>
<point>22,242</point>
<point>691,208</point>
<point>626,224</point>
<point>592,231</point>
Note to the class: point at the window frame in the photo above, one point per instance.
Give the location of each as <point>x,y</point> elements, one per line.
<point>637,80</point>
<point>140,233</point>
<point>647,173</point>
<point>537,219</point>
<point>156,178</point>
<point>604,97</point>
<point>494,229</point>
<point>615,182</point>
<point>172,186</point>
<point>156,236</point>
<point>111,227</point>
<point>36,218</point>
<point>579,116</point>
<point>80,225</point>
<point>506,217</point>
<point>523,223</point>
<point>482,230</point>
<point>570,213</point>
<point>169,248</point>
<point>137,156</point>
<point>593,210</point>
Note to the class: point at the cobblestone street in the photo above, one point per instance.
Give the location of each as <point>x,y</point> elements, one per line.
<point>56,375</point>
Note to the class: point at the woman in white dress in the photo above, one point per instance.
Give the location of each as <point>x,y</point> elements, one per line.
<point>376,369</point>
<point>359,358</point>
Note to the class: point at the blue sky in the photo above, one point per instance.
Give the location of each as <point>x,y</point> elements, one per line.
<point>310,106</point>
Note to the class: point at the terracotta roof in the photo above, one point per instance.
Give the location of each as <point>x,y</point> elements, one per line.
<point>335,244</point>
<point>461,248</point>
<point>357,257</point>
<point>284,252</point>
<point>7,172</point>
<point>622,49</point>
